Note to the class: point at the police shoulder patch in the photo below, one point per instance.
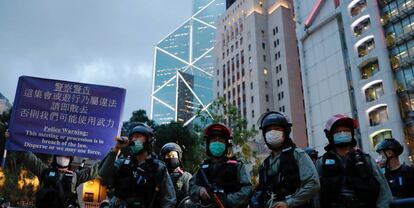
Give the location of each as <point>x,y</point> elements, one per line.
<point>329,162</point>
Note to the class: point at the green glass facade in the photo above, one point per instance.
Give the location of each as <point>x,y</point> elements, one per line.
<point>397,17</point>
<point>184,65</point>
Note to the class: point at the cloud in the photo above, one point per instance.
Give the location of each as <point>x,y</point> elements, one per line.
<point>95,41</point>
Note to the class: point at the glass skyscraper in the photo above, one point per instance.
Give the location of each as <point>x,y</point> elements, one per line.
<point>397,17</point>
<point>184,66</point>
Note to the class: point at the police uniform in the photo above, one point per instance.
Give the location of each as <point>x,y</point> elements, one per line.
<point>351,181</point>
<point>57,187</point>
<point>401,181</point>
<point>181,181</point>
<point>228,177</point>
<point>179,177</point>
<point>290,176</point>
<point>138,185</point>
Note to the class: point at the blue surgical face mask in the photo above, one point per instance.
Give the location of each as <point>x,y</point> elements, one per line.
<point>217,148</point>
<point>342,137</point>
<point>136,147</point>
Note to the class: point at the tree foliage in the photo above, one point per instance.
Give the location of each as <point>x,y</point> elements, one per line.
<point>221,112</point>
<point>190,144</point>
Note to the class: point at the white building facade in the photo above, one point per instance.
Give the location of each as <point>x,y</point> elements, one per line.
<point>257,60</point>
<point>346,70</point>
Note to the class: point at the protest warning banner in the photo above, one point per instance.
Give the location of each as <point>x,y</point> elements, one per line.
<point>65,118</point>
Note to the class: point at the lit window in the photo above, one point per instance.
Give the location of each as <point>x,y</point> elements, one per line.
<point>380,135</point>
<point>265,71</point>
<point>378,115</point>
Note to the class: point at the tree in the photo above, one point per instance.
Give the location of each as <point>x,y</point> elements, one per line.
<point>189,143</point>
<point>221,112</point>
<point>138,116</point>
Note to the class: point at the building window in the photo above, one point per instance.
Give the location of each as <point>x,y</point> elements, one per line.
<point>277,41</point>
<point>250,47</point>
<point>374,92</point>
<point>379,136</point>
<point>365,47</point>
<point>264,58</point>
<point>242,56</point>
<point>263,46</point>
<point>277,29</point>
<point>241,41</point>
<point>266,84</point>
<point>251,85</point>
<point>274,44</point>
<point>88,197</point>
<point>369,69</point>
<point>250,59</point>
<point>237,44</point>
<point>378,115</point>
<point>267,98</point>
<point>361,25</point>
<point>274,31</point>
<point>265,71</point>
<point>252,113</point>
<point>252,99</point>
<point>263,33</point>
<point>357,7</point>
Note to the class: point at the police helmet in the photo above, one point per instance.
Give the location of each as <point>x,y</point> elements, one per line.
<point>390,144</point>
<point>275,118</point>
<point>142,129</point>
<point>340,120</point>
<point>217,130</point>
<point>171,146</point>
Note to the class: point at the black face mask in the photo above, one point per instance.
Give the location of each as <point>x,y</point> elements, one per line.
<point>172,163</point>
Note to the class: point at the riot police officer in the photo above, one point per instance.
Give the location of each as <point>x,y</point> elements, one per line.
<point>221,180</point>
<point>400,177</point>
<point>349,177</point>
<point>172,155</point>
<point>58,182</point>
<point>312,153</point>
<point>287,177</point>
<point>137,180</point>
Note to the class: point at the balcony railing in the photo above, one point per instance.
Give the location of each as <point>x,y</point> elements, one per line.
<point>397,14</point>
